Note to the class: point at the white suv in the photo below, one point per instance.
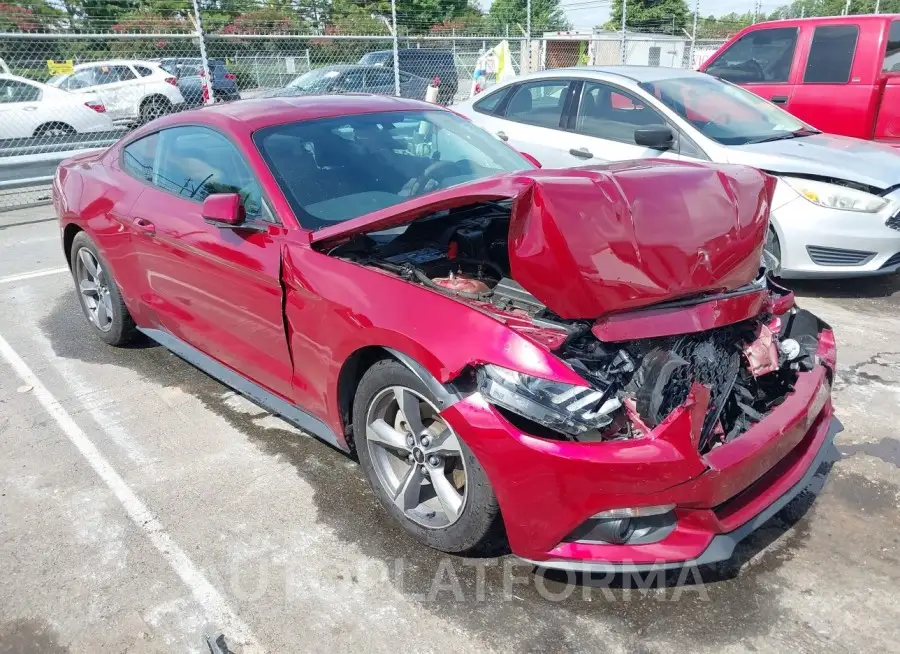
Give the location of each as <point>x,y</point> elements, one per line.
<point>132,91</point>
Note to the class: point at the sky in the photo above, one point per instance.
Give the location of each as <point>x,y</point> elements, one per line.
<point>585,14</point>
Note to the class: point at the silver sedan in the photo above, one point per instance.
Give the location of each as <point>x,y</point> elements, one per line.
<point>836,209</point>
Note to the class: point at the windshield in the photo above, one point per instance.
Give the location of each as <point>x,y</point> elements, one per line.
<point>335,169</point>
<point>725,113</point>
<point>315,80</point>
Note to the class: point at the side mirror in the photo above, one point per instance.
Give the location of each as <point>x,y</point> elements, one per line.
<point>658,137</point>
<point>531,159</point>
<point>223,209</point>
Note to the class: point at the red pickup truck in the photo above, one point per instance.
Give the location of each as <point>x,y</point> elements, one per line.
<point>839,74</point>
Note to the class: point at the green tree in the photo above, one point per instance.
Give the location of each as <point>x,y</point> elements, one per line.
<point>666,16</point>
<point>546,16</point>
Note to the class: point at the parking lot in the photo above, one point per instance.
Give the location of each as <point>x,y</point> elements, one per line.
<point>144,506</point>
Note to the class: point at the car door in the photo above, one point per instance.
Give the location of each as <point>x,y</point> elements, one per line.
<point>887,124</point>
<point>121,92</point>
<point>606,119</point>
<point>530,120</point>
<point>380,81</point>
<point>833,95</point>
<point>216,288</point>
<point>762,61</point>
<point>21,111</point>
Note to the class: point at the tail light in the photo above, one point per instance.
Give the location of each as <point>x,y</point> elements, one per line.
<point>205,93</point>
<point>436,81</point>
<point>96,106</point>
<point>231,76</point>
<point>172,81</point>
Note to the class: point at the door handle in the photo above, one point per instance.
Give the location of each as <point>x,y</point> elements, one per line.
<point>502,136</point>
<point>29,108</point>
<point>581,153</point>
<point>145,226</point>
<point>780,99</point>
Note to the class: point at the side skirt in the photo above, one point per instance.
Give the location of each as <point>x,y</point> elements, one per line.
<point>245,387</point>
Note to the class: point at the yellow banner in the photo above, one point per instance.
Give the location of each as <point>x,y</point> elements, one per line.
<point>66,67</point>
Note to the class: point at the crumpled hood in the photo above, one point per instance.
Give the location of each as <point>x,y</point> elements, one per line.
<point>589,242</point>
<point>592,241</point>
<point>826,155</point>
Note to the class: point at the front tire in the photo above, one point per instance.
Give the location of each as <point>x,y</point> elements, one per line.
<point>154,107</point>
<point>425,476</point>
<point>99,295</point>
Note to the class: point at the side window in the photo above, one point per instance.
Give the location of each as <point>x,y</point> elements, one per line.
<point>195,162</point>
<point>381,77</point>
<point>831,54</point>
<point>138,157</point>
<point>892,54</point>
<point>352,80</point>
<point>113,74</point>
<point>538,103</point>
<point>608,113</point>
<point>490,102</point>
<point>143,71</point>
<point>15,91</point>
<point>80,80</point>
<point>763,56</point>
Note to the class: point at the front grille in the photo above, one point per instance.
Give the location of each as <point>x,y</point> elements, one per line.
<point>893,261</point>
<point>894,221</point>
<point>823,256</point>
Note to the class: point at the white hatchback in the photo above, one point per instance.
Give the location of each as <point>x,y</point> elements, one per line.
<point>133,91</point>
<point>30,109</point>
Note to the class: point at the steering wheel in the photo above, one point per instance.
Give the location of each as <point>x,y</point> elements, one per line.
<point>431,178</point>
<point>759,68</point>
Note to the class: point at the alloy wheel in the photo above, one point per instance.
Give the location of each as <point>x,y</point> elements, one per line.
<point>93,285</point>
<point>417,457</point>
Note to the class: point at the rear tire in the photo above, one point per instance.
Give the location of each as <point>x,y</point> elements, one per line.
<point>55,130</point>
<point>155,107</point>
<point>99,295</point>
<point>452,475</point>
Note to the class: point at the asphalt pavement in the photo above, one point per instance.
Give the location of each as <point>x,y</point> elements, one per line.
<point>144,506</point>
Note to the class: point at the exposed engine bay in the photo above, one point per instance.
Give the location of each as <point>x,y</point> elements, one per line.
<point>749,367</point>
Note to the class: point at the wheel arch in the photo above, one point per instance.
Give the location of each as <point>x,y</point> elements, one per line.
<point>360,361</point>
<point>69,233</point>
<point>50,124</point>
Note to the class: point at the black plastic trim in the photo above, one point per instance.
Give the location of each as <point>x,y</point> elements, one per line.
<point>722,546</point>
<point>245,387</point>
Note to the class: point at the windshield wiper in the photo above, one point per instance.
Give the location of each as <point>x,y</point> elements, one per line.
<point>784,136</point>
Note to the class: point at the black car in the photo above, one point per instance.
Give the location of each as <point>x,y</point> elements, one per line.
<point>427,63</point>
<point>189,73</point>
<point>353,78</point>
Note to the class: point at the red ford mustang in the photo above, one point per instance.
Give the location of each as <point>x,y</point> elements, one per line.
<point>588,363</point>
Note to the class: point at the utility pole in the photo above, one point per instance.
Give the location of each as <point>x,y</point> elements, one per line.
<point>877,6</point>
<point>694,34</point>
<point>396,49</point>
<point>204,62</point>
<point>624,19</point>
<point>527,58</point>
<point>847,8</point>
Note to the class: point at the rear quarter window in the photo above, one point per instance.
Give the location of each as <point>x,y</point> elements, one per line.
<point>831,54</point>
<point>892,51</point>
<point>491,102</point>
<point>138,157</point>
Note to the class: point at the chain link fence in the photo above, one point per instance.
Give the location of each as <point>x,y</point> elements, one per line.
<point>69,84</point>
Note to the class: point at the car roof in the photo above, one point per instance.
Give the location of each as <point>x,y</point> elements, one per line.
<point>117,62</point>
<point>254,114</point>
<point>853,18</point>
<point>636,74</point>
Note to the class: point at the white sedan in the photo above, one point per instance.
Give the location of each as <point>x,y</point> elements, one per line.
<point>836,211</point>
<point>31,109</point>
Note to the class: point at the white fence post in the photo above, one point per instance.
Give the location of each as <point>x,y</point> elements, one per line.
<point>624,32</point>
<point>207,81</point>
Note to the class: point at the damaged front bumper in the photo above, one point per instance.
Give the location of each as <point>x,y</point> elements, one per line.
<point>551,492</point>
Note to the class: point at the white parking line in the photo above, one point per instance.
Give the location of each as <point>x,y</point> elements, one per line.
<point>217,610</point>
<point>9,279</point>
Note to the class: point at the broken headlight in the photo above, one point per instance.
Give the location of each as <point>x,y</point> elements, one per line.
<point>562,407</point>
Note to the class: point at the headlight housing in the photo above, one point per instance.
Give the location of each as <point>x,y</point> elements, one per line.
<point>562,407</point>
<point>833,196</point>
